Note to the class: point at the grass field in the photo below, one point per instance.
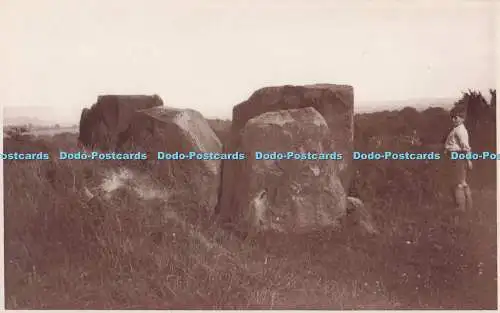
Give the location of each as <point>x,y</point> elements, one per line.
<point>132,245</point>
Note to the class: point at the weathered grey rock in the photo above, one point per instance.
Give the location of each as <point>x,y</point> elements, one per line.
<point>290,196</point>
<point>222,128</point>
<point>110,116</point>
<point>334,102</point>
<point>170,130</point>
<point>358,214</point>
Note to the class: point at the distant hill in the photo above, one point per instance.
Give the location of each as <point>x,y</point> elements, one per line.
<point>47,116</point>
<point>24,120</point>
<point>419,104</point>
<point>39,116</point>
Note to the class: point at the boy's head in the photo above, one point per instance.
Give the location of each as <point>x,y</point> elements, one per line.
<point>457,116</point>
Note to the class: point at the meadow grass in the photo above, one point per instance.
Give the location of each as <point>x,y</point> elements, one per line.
<point>66,250</point>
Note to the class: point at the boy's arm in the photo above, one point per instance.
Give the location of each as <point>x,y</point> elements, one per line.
<point>446,141</point>
<point>463,139</point>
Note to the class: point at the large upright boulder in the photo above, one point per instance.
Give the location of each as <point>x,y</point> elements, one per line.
<point>102,124</point>
<point>288,195</point>
<point>334,102</point>
<point>194,178</point>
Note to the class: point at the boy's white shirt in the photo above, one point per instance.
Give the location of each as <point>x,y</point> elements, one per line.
<point>458,139</point>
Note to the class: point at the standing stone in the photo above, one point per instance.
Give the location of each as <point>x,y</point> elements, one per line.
<point>102,124</point>
<point>194,180</point>
<point>290,196</point>
<point>334,102</point>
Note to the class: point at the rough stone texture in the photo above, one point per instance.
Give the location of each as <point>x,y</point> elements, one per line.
<point>334,102</point>
<point>82,125</point>
<point>164,129</point>
<point>290,196</point>
<point>102,124</point>
<point>222,128</point>
<point>360,216</point>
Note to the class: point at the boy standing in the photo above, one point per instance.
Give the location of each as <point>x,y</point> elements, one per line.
<point>458,141</point>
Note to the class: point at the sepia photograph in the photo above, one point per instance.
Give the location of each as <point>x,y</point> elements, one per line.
<point>231,154</point>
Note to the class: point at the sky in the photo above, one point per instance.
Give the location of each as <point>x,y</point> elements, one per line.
<point>211,55</point>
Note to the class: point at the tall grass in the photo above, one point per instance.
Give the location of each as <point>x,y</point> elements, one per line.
<point>67,250</point>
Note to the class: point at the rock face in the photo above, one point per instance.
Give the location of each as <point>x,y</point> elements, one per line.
<point>334,102</point>
<point>289,196</point>
<point>169,130</point>
<point>222,128</point>
<point>102,124</point>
